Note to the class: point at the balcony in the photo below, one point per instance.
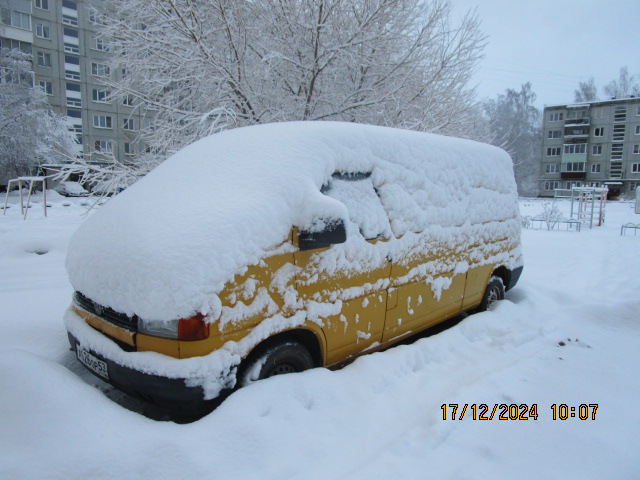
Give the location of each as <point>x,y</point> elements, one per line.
<point>573,175</point>
<point>577,121</point>
<point>576,132</point>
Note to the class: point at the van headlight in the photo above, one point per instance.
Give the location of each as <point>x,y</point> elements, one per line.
<point>192,328</point>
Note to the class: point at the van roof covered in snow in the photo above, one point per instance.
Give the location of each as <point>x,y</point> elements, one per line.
<point>164,247</point>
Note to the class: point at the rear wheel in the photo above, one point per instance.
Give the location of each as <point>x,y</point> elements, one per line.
<point>493,293</point>
<point>286,356</point>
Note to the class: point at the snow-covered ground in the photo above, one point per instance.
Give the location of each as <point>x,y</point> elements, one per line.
<point>568,334</point>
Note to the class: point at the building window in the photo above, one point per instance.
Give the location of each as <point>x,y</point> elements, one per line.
<point>570,185</point>
<point>42,31</point>
<point>551,185</point>
<point>582,113</point>
<point>128,124</point>
<point>74,113</point>
<point>100,44</point>
<point>42,4</point>
<point>575,148</point>
<point>101,121</point>
<point>555,133</point>
<point>635,167</point>
<point>636,149</point>
<point>551,168</point>
<point>15,19</point>
<point>104,146</point>
<point>598,132</point>
<point>74,102</point>
<point>618,133</point>
<point>101,96</point>
<point>556,116</point>
<point>128,149</point>
<point>73,87</point>
<point>71,75</point>
<point>128,100</point>
<point>44,59</point>
<point>71,48</point>
<point>617,150</point>
<point>46,86</point>
<point>69,20</point>
<point>12,44</point>
<point>71,32</point>
<point>553,151</point>
<point>637,129</point>
<point>595,168</point>
<point>620,114</point>
<point>573,167</point>
<point>100,69</point>
<point>70,4</point>
<point>596,149</point>
<point>71,60</point>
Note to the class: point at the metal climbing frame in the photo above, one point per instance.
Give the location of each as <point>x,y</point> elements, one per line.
<point>587,204</point>
<point>27,181</point>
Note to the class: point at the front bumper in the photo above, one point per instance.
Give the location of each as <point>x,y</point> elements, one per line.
<point>168,393</point>
<point>182,385</point>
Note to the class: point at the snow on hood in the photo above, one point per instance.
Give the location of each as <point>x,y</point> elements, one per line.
<point>166,246</point>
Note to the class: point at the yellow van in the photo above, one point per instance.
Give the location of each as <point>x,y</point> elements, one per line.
<point>278,248</point>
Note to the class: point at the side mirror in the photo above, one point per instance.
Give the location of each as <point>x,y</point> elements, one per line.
<point>333,233</point>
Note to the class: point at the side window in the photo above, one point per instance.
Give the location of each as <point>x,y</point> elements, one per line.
<point>357,193</point>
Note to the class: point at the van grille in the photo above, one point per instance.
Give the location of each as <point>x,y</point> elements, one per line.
<point>110,315</point>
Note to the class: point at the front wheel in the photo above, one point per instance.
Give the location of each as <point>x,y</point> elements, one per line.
<point>493,293</point>
<point>287,356</point>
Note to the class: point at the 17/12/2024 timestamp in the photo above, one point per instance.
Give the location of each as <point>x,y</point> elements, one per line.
<point>514,411</point>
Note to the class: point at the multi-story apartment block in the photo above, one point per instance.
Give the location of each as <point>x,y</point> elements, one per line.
<point>70,64</point>
<point>594,144</point>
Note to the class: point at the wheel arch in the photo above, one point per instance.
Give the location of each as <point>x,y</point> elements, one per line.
<point>509,277</point>
<point>309,339</point>
<point>504,274</point>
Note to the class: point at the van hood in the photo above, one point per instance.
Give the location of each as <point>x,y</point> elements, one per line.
<point>165,247</point>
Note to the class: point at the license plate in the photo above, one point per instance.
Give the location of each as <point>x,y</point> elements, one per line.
<point>92,362</point>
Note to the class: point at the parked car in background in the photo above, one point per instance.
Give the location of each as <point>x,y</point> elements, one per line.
<point>107,188</point>
<point>71,189</point>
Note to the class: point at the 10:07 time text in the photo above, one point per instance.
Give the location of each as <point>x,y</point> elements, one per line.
<point>514,411</point>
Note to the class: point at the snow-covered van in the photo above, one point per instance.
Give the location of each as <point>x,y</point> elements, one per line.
<point>278,248</point>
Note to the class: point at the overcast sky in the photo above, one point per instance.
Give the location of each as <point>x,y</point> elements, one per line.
<point>554,44</point>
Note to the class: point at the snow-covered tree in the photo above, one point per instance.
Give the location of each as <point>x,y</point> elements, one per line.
<point>586,91</point>
<point>515,126</point>
<point>207,66</point>
<point>30,132</point>
<point>624,86</point>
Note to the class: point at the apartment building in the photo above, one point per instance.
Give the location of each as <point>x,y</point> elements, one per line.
<point>70,64</point>
<point>594,144</point>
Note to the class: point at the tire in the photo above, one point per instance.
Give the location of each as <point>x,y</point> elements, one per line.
<point>493,293</point>
<point>286,356</point>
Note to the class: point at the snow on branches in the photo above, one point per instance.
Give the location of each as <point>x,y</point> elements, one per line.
<point>203,67</point>
<point>30,132</point>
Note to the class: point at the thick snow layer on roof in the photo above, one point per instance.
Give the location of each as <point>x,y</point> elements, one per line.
<point>158,253</point>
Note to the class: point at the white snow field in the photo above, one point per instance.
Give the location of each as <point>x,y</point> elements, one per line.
<point>567,334</point>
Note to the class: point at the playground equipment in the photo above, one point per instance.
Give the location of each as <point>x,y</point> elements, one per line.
<point>587,204</point>
<point>30,181</point>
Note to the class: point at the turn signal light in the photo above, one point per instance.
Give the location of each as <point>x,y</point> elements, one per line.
<point>194,328</point>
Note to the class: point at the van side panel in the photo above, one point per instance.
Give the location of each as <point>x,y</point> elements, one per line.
<point>262,291</point>
<point>356,328</point>
<point>361,319</point>
<point>477,280</point>
<point>419,307</point>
